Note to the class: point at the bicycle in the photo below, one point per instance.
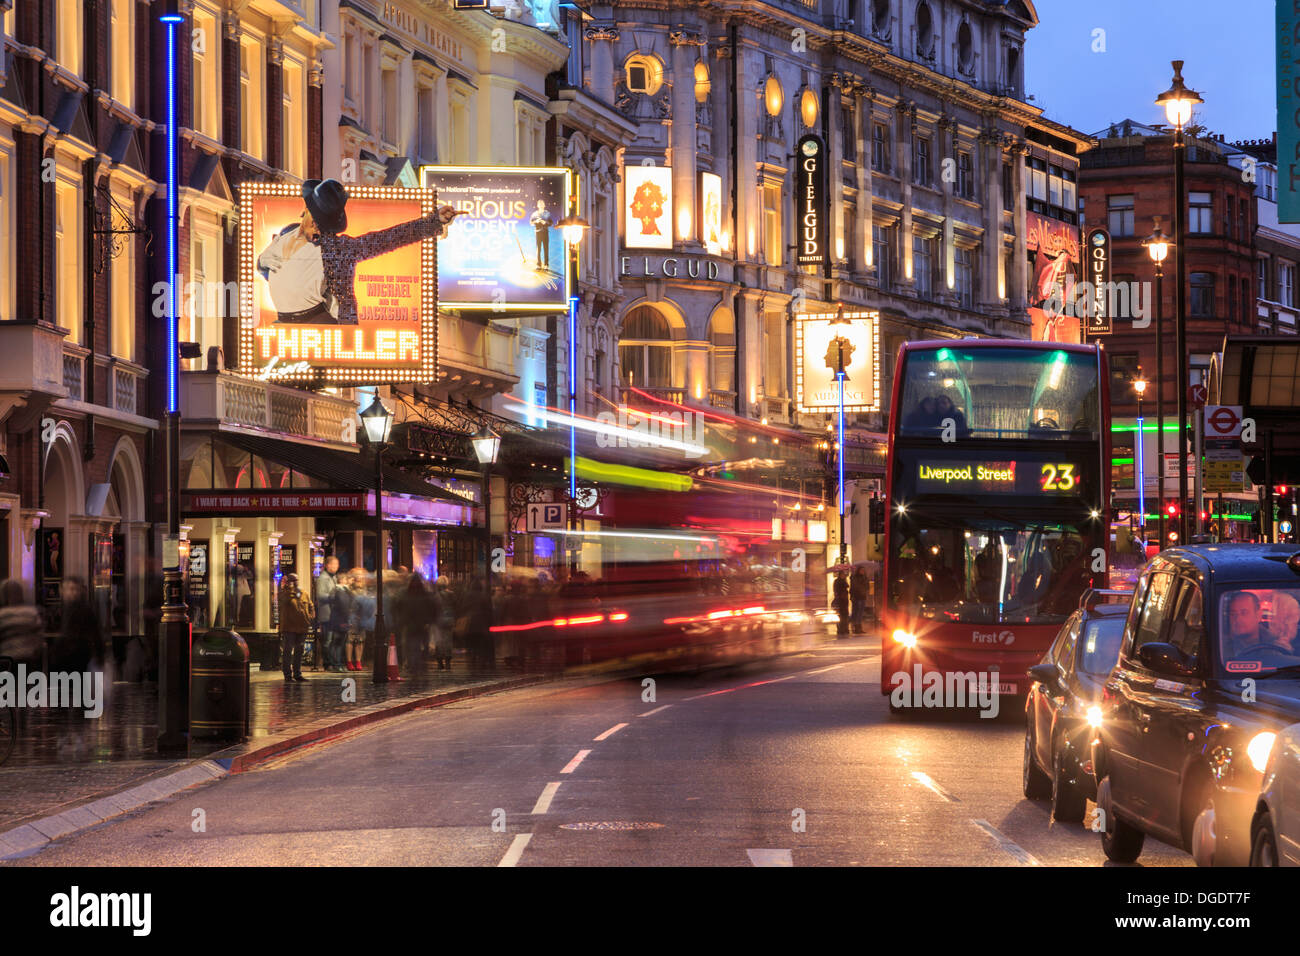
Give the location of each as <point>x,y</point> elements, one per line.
<point>8,719</point>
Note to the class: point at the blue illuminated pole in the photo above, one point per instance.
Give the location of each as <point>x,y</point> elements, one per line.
<point>844,553</point>
<point>175,630</point>
<point>1141,481</point>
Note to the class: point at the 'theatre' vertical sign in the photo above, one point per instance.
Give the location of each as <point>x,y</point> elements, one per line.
<point>1288,111</point>
<point>810,201</point>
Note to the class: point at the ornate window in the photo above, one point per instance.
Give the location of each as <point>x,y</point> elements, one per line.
<point>924,32</point>
<point>645,74</point>
<point>965,49</point>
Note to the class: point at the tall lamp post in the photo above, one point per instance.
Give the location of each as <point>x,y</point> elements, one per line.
<point>377,422</point>
<point>1157,246</point>
<point>840,342</point>
<point>175,636</point>
<point>1140,386</point>
<point>573,227</point>
<point>487,444</point>
<point>1178,101</point>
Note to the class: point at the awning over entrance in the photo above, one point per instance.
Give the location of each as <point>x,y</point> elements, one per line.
<point>339,470</point>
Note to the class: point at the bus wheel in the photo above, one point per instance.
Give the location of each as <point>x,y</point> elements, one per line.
<point>1068,801</point>
<point>1036,784</point>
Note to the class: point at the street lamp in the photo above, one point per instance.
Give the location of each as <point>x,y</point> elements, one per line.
<point>487,444</point>
<point>1140,386</point>
<point>840,342</point>
<point>1178,101</point>
<point>573,227</point>
<point>1157,246</point>
<point>377,422</point>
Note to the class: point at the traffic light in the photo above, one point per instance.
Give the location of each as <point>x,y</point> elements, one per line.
<point>1171,510</point>
<point>876,515</point>
<point>1281,491</point>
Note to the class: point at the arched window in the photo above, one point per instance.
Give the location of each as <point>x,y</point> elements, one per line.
<point>965,48</point>
<point>722,351</point>
<point>702,82</point>
<point>645,74</point>
<point>880,18</point>
<point>645,349</point>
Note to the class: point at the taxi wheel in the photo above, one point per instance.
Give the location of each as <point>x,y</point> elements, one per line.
<point>1264,850</point>
<point>1068,801</point>
<point>1120,841</point>
<point>1036,784</point>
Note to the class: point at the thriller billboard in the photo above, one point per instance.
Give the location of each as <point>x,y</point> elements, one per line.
<point>820,344</point>
<point>506,251</point>
<point>338,285</point>
<point>1054,250</point>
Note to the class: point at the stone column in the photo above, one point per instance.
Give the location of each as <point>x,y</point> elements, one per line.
<point>1019,278</point>
<point>601,38</point>
<point>834,172</point>
<point>862,119</point>
<point>274,97</point>
<point>903,163</point>
<point>681,135</point>
<point>991,261</point>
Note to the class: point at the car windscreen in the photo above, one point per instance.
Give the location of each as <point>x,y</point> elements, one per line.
<point>1258,630</point>
<point>1101,640</point>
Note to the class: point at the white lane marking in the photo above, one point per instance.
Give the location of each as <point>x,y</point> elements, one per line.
<point>770,857</point>
<point>1006,844</point>
<point>925,780</point>
<point>544,801</point>
<point>573,764</point>
<point>651,713</point>
<point>516,849</point>
<point>757,683</point>
<point>823,670</point>
<point>611,732</point>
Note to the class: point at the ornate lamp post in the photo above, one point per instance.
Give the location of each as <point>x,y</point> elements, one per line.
<point>1157,246</point>
<point>377,422</point>
<point>487,444</point>
<point>1178,101</point>
<point>840,342</point>
<point>573,227</point>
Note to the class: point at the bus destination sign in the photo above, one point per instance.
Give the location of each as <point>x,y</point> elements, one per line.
<point>1005,477</point>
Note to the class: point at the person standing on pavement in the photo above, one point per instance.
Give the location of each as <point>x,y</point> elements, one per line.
<point>330,623</point>
<point>445,624</point>
<point>858,596</point>
<point>419,613</point>
<point>840,590</point>
<point>361,617</point>
<point>295,622</point>
<point>20,626</point>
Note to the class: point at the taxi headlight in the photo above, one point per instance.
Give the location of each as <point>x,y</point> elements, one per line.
<point>1094,716</point>
<point>906,638</point>
<point>1260,746</point>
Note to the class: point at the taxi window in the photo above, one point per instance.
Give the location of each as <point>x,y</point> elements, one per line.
<point>1258,629</point>
<point>1101,645</point>
<point>1063,653</point>
<point>1187,627</point>
<point>1155,609</point>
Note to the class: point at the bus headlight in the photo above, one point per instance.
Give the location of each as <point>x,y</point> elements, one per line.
<point>906,638</point>
<point>1260,746</point>
<point>1094,716</point>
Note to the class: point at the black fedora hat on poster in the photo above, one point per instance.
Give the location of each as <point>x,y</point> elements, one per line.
<point>326,201</point>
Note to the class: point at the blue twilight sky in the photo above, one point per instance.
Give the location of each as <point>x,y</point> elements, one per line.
<point>1229,51</point>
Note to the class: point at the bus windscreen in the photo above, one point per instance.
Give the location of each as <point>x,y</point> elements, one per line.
<point>999,393</point>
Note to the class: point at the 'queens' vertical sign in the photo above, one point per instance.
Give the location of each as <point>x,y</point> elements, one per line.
<point>1288,111</point>
<point>810,201</point>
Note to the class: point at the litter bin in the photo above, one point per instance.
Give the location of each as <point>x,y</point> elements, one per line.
<point>219,675</point>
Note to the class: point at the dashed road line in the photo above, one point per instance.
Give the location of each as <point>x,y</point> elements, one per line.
<point>925,780</point>
<point>573,764</point>
<point>516,849</point>
<point>771,857</point>
<point>1006,844</point>
<point>544,801</point>
<point>651,713</point>
<point>611,732</point>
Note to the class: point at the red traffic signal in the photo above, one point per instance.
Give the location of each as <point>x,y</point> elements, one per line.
<point>1281,490</point>
<point>1171,509</point>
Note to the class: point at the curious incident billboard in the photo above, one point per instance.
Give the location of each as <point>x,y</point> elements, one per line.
<point>338,284</point>
<point>505,250</point>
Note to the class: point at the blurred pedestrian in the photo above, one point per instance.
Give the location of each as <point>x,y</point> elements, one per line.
<point>361,617</point>
<point>840,603</point>
<point>79,649</point>
<point>858,592</point>
<point>296,615</point>
<point>419,611</point>
<point>21,626</point>
<point>329,618</point>
<point>445,623</point>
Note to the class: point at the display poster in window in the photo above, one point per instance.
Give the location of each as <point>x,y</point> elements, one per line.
<point>711,212</point>
<point>101,576</point>
<point>1055,248</point>
<point>245,577</point>
<point>198,582</point>
<point>341,283</point>
<point>277,578</point>
<point>505,250</point>
<point>647,207</point>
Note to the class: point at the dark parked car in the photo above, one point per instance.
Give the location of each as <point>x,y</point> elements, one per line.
<point>1061,711</point>
<point>1208,675</point>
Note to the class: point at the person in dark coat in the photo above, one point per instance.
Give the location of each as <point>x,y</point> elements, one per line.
<point>296,616</point>
<point>419,614</point>
<point>840,590</point>
<point>21,626</point>
<point>80,644</point>
<point>858,591</point>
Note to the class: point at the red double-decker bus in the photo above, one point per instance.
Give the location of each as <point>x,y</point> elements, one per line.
<point>997,492</point>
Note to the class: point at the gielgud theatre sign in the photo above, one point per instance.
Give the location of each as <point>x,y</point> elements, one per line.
<point>338,285</point>
<point>673,267</point>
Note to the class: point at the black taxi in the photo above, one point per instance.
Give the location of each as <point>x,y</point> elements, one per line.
<point>1208,673</point>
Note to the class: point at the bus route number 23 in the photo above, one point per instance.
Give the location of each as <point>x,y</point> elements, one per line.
<point>1059,477</point>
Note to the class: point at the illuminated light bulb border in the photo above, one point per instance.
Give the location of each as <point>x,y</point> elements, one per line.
<point>424,372</point>
<point>874,318</point>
